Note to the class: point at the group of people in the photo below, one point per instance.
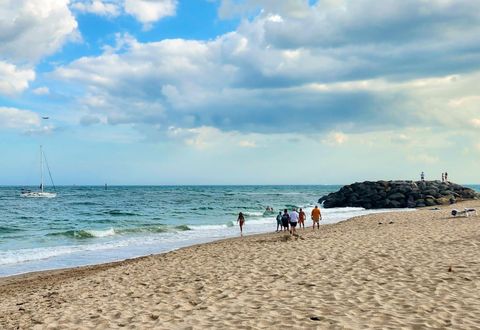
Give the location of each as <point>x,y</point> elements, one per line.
<point>289,221</point>
<point>444,176</point>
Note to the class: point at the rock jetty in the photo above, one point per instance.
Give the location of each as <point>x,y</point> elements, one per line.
<point>398,194</point>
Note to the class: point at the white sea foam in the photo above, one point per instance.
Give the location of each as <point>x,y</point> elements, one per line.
<point>101,233</point>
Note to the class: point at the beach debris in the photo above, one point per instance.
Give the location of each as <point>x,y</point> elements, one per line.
<point>450,269</point>
<point>316,318</point>
<point>466,212</point>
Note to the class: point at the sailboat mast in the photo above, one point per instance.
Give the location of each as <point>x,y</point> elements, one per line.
<point>41,168</point>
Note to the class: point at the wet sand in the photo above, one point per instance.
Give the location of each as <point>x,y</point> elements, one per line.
<point>410,270</point>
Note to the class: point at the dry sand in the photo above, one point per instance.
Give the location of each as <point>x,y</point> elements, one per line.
<point>421,271</point>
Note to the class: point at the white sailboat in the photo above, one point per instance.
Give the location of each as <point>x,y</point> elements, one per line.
<point>42,193</point>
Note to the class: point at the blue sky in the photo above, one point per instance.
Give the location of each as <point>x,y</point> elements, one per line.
<point>239,91</point>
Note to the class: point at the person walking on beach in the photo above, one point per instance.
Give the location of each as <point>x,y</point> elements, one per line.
<point>279,221</point>
<point>293,221</point>
<point>285,220</point>
<point>301,219</point>
<point>241,221</point>
<point>316,217</point>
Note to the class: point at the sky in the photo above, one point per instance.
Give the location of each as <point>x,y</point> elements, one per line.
<point>239,91</point>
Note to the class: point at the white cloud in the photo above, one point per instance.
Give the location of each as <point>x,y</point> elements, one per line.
<point>14,80</point>
<point>277,70</point>
<point>335,138</point>
<point>32,29</point>
<point>150,11</point>
<point>12,118</point>
<point>475,122</point>
<point>98,7</point>
<point>41,91</point>
<point>247,144</point>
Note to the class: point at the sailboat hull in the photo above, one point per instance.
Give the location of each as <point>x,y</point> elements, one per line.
<point>38,194</point>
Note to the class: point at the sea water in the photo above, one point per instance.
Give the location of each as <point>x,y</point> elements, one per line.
<point>91,225</point>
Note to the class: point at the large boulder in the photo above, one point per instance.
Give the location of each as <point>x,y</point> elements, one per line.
<point>398,194</point>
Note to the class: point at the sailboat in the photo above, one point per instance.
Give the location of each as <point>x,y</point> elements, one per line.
<point>42,193</point>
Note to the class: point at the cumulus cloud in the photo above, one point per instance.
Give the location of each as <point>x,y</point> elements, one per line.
<point>331,66</point>
<point>12,118</point>
<point>146,12</point>
<point>32,29</point>
<point>98,7</point>
<point>14,80</point>
<point>149,11</point>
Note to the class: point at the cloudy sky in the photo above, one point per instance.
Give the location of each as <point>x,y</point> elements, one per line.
<point>239,91</point>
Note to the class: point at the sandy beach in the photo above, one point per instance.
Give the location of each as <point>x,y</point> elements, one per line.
<point>410,270</point>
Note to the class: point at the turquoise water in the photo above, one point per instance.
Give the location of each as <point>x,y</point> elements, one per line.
<point>90,225</point>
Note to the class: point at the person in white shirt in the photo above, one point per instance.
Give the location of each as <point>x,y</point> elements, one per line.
<point>293,221</point>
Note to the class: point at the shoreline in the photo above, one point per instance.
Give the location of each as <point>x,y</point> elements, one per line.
<point>355,265</point>
<point>83,256</point>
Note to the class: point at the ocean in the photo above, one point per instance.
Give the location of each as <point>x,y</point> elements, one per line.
<point>87,225</point>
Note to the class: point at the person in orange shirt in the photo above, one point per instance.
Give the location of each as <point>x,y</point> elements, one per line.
<point>316,217</point>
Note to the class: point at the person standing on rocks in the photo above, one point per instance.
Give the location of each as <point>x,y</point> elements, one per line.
<point>316,217</point>
<point>422,176</point>
<point>443,177</point>
<point>446,177</point>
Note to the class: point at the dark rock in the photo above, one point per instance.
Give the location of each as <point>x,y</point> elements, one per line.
<point>430,201</point>
<point>395,194</point>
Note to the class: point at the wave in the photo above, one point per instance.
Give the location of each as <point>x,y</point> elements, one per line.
<point>84,203</point>
<point>253,214</point>
<point>83,234</point>
<point>203,208</point>
<point>183,228</point>
<point>120,213</point>
<point>88,233</point>
<point>8,230</point>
